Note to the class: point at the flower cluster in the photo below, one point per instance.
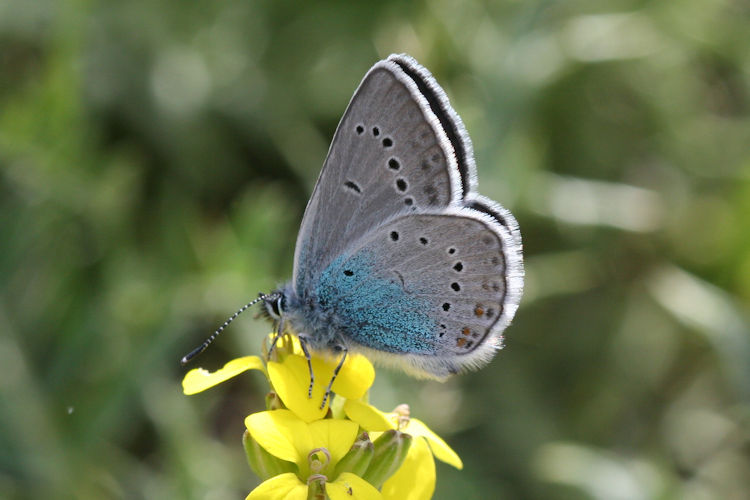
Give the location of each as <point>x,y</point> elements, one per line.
<point>347,449</point>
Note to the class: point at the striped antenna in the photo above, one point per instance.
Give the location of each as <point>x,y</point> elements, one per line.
<point>186,359</point>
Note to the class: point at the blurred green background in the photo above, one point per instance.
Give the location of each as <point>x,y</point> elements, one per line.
<point>155,161</point>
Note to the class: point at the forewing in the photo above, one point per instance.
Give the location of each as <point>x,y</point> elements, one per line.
<point>391,155</point>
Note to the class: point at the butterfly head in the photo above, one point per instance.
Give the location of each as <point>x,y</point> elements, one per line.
<point>273,305</point>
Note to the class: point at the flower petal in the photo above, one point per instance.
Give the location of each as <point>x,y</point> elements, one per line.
<point>337,436</point>
<point>370,418</point>
<point>415,479</point>
<point>356,376</point>
<point>282,487</point>
<point>350,487</point>
<point>286,344</point>
<point>281,434</point>
<point>439,448</point>
<point>198,379</point>
<point>291,379</point>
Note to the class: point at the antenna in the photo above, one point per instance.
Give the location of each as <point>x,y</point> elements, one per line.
<point>186,359</point>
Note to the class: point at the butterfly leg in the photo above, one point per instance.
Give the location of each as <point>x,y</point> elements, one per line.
<point>279,333</point>
<point>336,371</point>
<point>303,342</point>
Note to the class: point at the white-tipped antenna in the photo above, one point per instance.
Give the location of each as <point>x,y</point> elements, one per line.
<point>186,359</point>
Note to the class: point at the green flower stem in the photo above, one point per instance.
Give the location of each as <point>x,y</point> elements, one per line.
<point>316,487</point>
<point>390,451</point>
<point>358,459</point>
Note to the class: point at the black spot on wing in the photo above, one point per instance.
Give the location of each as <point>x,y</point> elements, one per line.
<point>353,186</point>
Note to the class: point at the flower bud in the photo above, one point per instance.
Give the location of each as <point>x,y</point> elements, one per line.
<point>390,451</point>
<point>358,458</point>
<point>273,402</point>
<point>261,462</point>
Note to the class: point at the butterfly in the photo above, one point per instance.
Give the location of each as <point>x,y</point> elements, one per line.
<point>398,257</point>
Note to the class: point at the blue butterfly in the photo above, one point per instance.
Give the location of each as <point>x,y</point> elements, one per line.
<point>398,257</point>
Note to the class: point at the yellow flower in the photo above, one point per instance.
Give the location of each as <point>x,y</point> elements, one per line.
<point>290,377</point>
<point>415,479</point>
<point>315,448</point>
<point>297,450</point>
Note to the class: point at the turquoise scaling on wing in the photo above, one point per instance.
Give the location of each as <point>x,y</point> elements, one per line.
<point>375,312</point>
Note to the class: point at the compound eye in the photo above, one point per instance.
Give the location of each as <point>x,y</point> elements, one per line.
<point>278,306</point>
<point>272,308</point>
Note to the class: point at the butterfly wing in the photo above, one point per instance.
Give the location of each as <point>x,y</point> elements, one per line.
<point>398,256</point>
<point>433,291</point>
<point>391,154</point>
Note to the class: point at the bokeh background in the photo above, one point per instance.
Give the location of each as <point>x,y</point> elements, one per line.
<point>155,161</point>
